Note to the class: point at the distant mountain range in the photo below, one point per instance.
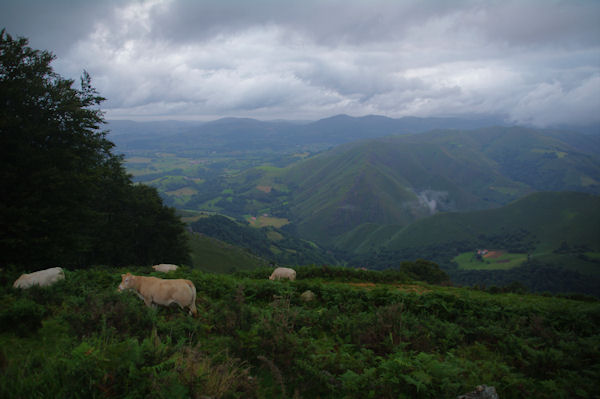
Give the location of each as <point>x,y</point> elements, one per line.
<point>244,134</point>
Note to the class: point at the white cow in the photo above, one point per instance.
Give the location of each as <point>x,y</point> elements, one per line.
<point>283,273</point>
<point>159,291</point>
<point>164,267</point>
<point>43,278</point>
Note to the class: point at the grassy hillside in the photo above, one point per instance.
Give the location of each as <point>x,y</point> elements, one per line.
<point>543,160</point>
<point>550,217</point>
<point>398,180</point>
<point>390,181</point>
<point>377,337</point>
<point>211,255</point>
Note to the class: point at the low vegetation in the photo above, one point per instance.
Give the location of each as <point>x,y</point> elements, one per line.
<point>366,334</point>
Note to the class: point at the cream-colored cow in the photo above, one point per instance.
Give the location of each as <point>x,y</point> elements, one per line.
<point>164,267</point>
<point>283,273</point>
<point>158,291</point>
<point>43,278</point>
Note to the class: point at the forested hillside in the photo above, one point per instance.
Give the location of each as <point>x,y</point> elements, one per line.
<point>545,220</point>
<point>276,245</point>
<point>547,241</point>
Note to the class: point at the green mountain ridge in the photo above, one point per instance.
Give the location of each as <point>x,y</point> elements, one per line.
<point>552,217</point>
<point>401,179</point>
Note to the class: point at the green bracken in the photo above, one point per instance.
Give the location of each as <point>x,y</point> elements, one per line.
<point>255,338</point>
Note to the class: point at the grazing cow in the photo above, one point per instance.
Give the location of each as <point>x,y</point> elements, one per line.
<point>164,267</point>
<point>43,278</point>
<point>283,273</point>
<point>159,291</point>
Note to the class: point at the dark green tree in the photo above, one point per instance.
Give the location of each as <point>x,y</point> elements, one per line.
<point>65,198</point>
<point>424,270</point>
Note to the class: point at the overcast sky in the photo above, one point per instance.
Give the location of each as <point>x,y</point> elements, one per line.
<point>535,62</point>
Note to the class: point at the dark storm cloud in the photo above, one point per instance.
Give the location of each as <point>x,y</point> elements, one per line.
<point>54,24</point>
<point>534,61</point>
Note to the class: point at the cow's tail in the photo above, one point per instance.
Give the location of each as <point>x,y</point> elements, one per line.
<point>192,287</point>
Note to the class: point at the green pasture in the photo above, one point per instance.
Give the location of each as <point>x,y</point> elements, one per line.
<point>265,221</point>
<point>558,154</point>
<point>140,166</point>
<point>468,261</point>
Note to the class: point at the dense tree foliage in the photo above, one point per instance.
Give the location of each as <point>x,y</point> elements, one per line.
<point>66,198</point>
<point>533,275</point>
<point>424,270</point>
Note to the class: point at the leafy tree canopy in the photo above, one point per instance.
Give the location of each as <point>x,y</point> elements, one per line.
<point>66,198</point>
<point>424,270</point>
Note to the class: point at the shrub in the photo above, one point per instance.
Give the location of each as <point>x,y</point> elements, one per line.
<point>21,316</point>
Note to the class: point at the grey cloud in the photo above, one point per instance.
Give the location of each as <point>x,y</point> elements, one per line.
<point>541,22</point>
<point>335,22</point>
<point>53,25</point>
<point>535,61</point>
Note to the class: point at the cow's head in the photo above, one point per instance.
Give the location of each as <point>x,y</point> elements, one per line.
<point>126,281</point>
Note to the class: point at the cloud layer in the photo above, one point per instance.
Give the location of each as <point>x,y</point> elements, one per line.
<point>535,62</point>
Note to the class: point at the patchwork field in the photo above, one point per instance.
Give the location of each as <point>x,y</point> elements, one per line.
<point>264,221</point>
<point>182,192</point>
